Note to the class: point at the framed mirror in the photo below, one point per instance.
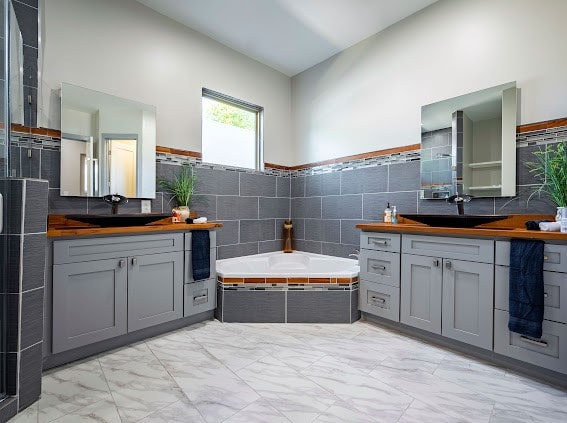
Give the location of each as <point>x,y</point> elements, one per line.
<point>468,144</point>
<point>108,145</point>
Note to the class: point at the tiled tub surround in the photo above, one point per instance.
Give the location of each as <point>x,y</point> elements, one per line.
<point>287,288</point>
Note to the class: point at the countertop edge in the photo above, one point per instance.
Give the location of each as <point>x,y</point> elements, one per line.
<point>128,230</point>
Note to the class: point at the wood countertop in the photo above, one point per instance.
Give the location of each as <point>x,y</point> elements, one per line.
<point>58,226</point>
<point>513,227</point>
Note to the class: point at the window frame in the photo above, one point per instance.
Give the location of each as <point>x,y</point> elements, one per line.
<point>241,104</point>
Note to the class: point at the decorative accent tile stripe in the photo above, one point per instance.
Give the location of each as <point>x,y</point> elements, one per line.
<point>293,281</point>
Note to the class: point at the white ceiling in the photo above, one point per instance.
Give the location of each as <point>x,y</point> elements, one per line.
<point>288,35</point>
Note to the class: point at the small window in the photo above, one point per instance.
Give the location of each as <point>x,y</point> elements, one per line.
<point>232,131</point>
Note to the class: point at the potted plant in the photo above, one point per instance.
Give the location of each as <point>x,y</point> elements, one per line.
<point>550,168</point>
<point>181,188</point>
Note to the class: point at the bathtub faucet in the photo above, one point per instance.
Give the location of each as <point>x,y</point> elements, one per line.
<point>355,254</point>
<point>287,236</point>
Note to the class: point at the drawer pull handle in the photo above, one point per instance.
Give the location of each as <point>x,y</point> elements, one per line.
<point>375,266</point>
<point>436,263</point>
<point>375,241</point>
<point>200,297</point>
<point>378,299</point>
<point>535,342</point>
<point>448,264</point>
<point>134,261</point>
<point>545,258</point>
<point>545,295</point>
<point>121,263</point>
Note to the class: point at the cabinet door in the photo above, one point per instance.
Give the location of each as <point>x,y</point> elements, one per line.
<point>421,284</point>
<point>155,289</point>
<point>89,302</point>
<point>468,295</point>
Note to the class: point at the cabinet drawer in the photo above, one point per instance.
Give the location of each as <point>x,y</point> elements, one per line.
<point>189,266</point>
<point>477,250</point>
<point>555,297</point>
<point>550,351</point>
<point>199,297</point>
<point>554,256</point>
<point>380,266</point>
<point>88,249</point>
<point>380,241</point>
<point>212,239</point>
<point>380,300</point>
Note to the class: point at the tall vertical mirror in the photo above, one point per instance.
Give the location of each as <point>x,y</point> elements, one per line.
<point>107,145</point>
<point>468,144</point>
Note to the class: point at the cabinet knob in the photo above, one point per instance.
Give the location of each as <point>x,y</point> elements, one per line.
<point>545,295</point>
<point>121,263</point>
<point>134,261</point>
<point>435,263</point>
<point>448,264</point>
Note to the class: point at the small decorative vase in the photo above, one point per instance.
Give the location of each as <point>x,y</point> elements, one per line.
<point>180,214</point>
<point>562,213</point>
<point>559,212</point>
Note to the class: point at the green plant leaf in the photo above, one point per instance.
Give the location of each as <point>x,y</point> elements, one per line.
<point>181,187</point>
<point>550,169</point>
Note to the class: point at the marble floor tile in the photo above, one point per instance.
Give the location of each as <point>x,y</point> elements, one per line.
<point>217,372</point>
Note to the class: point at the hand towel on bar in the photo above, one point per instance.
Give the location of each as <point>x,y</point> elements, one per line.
<point>200,254</point>
<point>526,287</point>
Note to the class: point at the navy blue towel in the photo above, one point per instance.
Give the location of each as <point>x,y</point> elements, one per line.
<point>526,287</point>
<point>200,255</point>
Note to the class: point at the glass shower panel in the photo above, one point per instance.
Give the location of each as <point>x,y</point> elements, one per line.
<point>11,111</point>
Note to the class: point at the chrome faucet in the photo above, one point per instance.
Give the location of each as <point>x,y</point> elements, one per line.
<point>460,201</point>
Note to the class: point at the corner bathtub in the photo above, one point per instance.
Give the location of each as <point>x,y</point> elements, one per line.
<point>295,287</point>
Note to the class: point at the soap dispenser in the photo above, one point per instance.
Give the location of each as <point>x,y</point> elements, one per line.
<point>388,214</point>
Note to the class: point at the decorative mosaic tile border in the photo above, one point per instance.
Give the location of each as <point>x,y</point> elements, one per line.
<point>524,139</point>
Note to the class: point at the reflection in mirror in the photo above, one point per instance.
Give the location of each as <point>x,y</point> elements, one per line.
<point>468,144</point>
<point>107,145</point>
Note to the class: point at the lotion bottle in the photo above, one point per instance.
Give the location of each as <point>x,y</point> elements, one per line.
<point>388,214</point>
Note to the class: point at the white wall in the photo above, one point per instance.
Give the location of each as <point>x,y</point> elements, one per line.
<point>126,49</point>
<point>369,96</point>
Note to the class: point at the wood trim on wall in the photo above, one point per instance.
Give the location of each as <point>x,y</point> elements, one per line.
<point>548,124</point>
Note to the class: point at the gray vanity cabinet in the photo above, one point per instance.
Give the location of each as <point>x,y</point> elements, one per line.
<point>89,302</point>
<point>443,293</point>
<point>155,289</point>
<point>108,286</point>
<point>421,292</point>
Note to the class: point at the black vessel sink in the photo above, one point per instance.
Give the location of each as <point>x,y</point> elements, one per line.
<point>116,220</point>
<point>453,220</point>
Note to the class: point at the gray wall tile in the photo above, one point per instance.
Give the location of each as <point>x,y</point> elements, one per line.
<point>238,250</point>
<point>32,318</point>
<point>205,205</point>
<point>274,207</point>
<point>157,203</point>
<point>27,21</point>
<point>228,234</point>
<point>11,262</point>
<point>216,181</point>
<point>15,168</point>
<point>339,250</point>
<point>233,207</point>
<point>51,167</point>
<point>298,187</point>
<point>14,220</point>
<point>322,230</point>
<point>342,207</point>
<point>253,184</point>
<point>66,205</point>
<point>30,165</point>
<point>279,228</point>
<point>30,375</point>
<point>283,187</point>
<point>525,155</point>
<point>298,228</point>
<point>34,261</point>
<point>374,204</point>
<point>35,215</point>
<point>309,207</point>
<point>404,176</point>
<point>325,184</point>
<point>270,246</point>
<point>349,233</point>
<point>257,230</point>
<point>523,204</point>
<point>436,206</point>
<point>370,179</point>
<point>308,246</point>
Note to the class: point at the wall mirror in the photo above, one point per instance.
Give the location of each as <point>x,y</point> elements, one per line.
<point>468,144</point>
<point>108,145</point>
